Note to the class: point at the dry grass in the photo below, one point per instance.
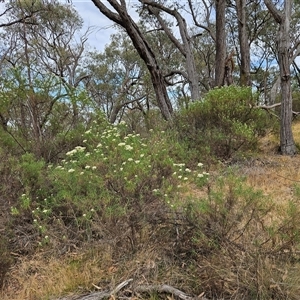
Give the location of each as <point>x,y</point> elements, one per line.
<point>42,277</point>
<point>273,173</point>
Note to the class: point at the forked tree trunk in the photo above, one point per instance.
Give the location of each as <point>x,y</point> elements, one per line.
<point>185,46</point>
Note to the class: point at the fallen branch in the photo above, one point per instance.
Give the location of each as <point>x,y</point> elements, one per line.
<point>99,295</point>
<point>164,288</point>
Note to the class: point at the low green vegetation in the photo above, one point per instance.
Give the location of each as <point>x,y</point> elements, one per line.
<point>130,195</point>
<point>225,123</point>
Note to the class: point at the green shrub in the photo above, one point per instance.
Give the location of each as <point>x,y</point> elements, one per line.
<point>241,244</point>
<point>223,123</point>
<point>112,182</point>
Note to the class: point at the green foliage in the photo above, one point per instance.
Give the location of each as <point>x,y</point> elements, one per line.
<point>227,212</point>
<point>223,123</point>
<point>41,118</point>
<point>235,236</point>
<point>112,177</point>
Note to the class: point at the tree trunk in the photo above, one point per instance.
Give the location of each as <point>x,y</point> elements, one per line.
<point>184,47</point>
<point>143,48</point>
<point>287,144</point>
<point>220,43</point>
<point>244,43</point>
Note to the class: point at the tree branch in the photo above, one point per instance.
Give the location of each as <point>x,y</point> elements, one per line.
<point>274,11</point>
<point>107,12</point>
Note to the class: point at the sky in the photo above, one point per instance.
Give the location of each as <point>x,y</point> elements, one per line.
<point>102,27</point>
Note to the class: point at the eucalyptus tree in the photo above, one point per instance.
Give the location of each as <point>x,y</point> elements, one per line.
<point>243,42</point>
<point>117,76</point>
<point>184,44</point>
<point>121,16</point>
<point>42,59</point>
<point>220,67</point>
<point>50,42</point>
<point>24,18</point>
<point>248,21</point>
<point>287,144</point>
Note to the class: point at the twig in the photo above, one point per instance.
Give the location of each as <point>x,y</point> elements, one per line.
<point>287,178</point>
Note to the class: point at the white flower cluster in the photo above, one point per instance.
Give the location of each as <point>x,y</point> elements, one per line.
<point>127,147</point>
<point>75,150</point>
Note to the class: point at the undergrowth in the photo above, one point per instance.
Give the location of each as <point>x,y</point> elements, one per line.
<point>122,206</point>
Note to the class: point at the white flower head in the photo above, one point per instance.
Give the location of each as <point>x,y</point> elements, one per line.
<point>70,153</point>
<point>80,148</point>
<point>128,147</point>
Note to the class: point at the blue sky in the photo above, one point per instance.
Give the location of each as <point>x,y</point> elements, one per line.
<point>101,26</point>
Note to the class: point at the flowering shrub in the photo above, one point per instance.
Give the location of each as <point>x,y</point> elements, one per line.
<point>112,177</point>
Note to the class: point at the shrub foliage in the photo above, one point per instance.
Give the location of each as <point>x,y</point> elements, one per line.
<point>224,122</point>
<point>134,194</point>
